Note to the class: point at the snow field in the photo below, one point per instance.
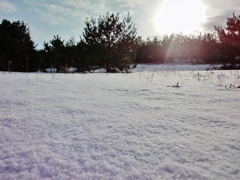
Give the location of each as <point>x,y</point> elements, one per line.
<point>120,126</point>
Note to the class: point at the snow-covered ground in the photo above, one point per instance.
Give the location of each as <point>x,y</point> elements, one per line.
<point>121,126</point>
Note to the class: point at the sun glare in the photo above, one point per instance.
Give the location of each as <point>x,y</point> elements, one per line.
<point>179,16</point>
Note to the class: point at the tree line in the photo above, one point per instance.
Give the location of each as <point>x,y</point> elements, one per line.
<point>113,43</point>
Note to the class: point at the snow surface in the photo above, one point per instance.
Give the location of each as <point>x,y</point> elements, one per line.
<point>120,126</point>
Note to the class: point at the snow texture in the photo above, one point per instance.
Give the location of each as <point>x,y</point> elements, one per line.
<point>121,126</point>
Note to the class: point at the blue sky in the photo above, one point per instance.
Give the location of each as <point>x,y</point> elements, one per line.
<point>47,18</point>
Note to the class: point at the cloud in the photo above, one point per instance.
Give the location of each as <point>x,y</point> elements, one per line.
<point>218,12</point>
<point>220,20</point>
<point>129,4</point>
<point>221,7</point>
<point>67,11</point>
<point>85,5</point>
<point>7,7</point>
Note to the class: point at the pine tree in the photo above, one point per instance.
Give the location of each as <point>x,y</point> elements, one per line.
<point>110,42</point>
<point>229,37</point>
<point>17,46</point>
<point>55,53</point>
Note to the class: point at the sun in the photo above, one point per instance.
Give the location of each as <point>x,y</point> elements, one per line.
<point>179,16</point>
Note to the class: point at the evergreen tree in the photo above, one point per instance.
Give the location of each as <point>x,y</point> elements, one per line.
<point>71,53</point>
<point>16,47</point>
<point>207,48</point>
<point>178,47</point>
<point>110,42</point>
<point>55,53</point>
<point>82,60</point>
<point>229,46</point>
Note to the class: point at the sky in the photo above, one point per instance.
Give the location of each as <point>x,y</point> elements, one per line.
<point>65,18</point>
